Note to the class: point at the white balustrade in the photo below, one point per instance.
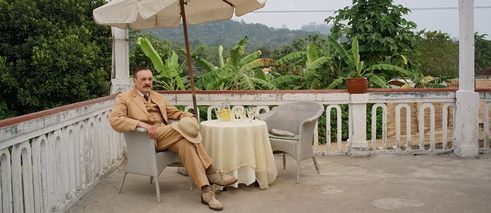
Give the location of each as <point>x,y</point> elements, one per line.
<point>417,108</point>
<point>374,127</point>
<point>49,161</point>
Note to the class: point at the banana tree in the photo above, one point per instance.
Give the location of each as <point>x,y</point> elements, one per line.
<point>355,68</point>
<point>168,71</point>
<point>309,73</point>
<point>238,71</point>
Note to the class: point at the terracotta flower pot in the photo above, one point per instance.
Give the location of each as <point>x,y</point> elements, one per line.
<point>357,85</point>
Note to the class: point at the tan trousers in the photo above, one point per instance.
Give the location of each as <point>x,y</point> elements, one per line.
<point>193,156</point>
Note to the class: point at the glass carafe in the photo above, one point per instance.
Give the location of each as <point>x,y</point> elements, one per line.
<point>224,113</point>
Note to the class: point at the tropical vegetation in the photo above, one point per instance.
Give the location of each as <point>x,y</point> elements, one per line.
<point>441,54</point>
<point>48,47</point>
<point>308,67</point>
<point>356,68</point>
<point>383,32</point>
<point>51,54</point>
<point>483,52</point>
<point>238,71</point>
<point>167,76</point>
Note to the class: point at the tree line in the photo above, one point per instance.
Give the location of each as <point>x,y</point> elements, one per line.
<point>52,53</point>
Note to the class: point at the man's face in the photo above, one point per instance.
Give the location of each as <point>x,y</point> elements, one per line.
<point>143,81</point>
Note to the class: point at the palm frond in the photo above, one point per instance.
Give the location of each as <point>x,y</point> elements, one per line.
<point>264,84</point>
<point>235,53</point>
<point>260,62</point>
<point>390,68</point>
<point>341,51</point>
<point>312,53</point>
<point>205,64</point>
<point>285,79</point>
<point>151,53</point>
<point>294,56</point>
<point>356,55</point>
<point>250,57</point>
<point>246,82</point>
<point>318,63</point>
<point>335,84</point>
<point>377,80</point>
<point>220,56</point>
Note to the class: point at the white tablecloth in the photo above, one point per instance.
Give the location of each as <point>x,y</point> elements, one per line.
<point>241,148</point>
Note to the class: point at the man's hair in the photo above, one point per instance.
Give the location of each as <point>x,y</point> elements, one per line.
<point>140,69</point>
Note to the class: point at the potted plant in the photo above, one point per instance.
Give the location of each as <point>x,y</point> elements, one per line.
<point>357,76</point>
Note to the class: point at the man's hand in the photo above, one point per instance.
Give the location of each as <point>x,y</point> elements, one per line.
<point>150,129</point>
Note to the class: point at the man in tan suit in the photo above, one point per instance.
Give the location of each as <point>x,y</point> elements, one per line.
<point>142,107</point>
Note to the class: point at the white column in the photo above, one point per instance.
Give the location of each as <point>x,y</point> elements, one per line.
<point>357,125</point>
<point>467,108</point>
<point>120,75</point>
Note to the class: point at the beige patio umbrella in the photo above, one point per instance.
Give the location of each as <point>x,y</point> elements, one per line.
<point>148,14</point>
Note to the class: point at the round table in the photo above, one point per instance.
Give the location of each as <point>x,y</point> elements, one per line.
<point>241,148</point>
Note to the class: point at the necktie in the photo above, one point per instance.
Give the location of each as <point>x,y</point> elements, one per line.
<point>146,97</point>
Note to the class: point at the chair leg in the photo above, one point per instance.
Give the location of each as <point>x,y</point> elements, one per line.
<point>298,171</point>
<point>121,186</point>
<point>151,179</point>
<point>284,161</point>
<point>157,188</point>
<point>316,165</point>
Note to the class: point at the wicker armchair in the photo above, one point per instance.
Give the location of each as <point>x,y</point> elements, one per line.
<point>143,159</point>
<point>299,118</point>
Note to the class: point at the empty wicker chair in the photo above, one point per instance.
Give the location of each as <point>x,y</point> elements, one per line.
<point>293,124</point>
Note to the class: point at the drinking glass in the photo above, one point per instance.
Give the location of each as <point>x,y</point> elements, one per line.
<point>223,112</point>
<point>251,113</point>
<point>238,112</point>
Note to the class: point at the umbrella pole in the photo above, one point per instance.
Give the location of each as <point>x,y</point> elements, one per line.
<point>188,55</point>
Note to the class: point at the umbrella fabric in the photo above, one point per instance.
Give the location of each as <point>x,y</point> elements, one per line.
<point>147,14</point>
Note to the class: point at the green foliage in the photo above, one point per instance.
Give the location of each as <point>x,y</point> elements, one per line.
<point>138,58</point>
<point>168,73</point>
<point>355,68</point>
<point>482,51</point>
<point>439,55</point>
<point>240,71</point>
<point>54,54</point>
<point>5,112</point>
<point>309,67</point>
<point>298,45</point>
<point>383,32</point>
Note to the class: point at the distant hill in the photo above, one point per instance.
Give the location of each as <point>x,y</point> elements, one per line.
<point>228,33</point>
<point>323,29</point>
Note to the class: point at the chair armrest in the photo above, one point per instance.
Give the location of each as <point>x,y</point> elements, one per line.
<point>265,116</point>
<point>315,117</point>
<point>141,129</point>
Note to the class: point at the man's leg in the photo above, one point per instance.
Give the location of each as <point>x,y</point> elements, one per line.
<point>191,161</point>
<point>196,161</point>
<point>167,136</point>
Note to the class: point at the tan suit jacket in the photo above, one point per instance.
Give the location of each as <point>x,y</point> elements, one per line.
<point>129,109</point>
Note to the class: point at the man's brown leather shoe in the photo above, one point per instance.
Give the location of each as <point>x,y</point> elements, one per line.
<point>208,198</point>
<point>222,179</point>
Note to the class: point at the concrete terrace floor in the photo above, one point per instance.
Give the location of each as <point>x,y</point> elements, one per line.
<point>380,183</point>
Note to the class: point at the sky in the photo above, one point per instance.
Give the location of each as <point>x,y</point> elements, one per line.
<point>445,20</point>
